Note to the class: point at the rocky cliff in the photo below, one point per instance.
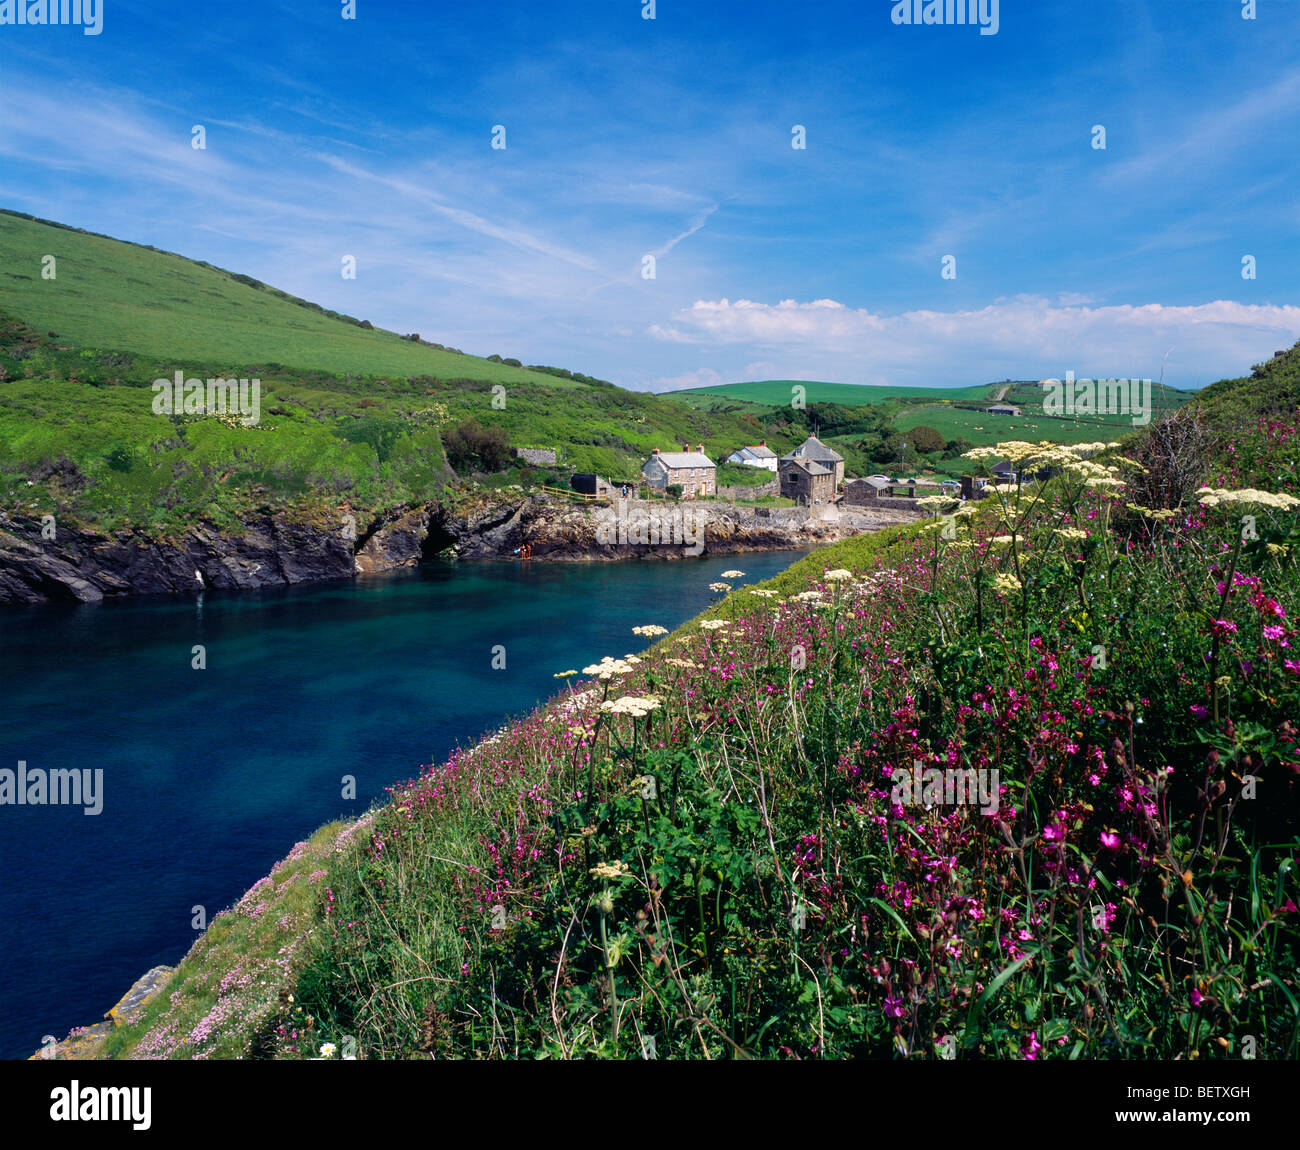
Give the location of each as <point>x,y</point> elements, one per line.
<point>79,564</point>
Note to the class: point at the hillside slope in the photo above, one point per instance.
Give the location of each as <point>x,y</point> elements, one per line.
<point>109,294</point>
<point>1271,390</point>
<point>352,423</point>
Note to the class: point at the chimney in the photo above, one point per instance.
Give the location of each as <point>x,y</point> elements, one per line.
<point>763,444</point>
<point>700,448</point>
<point>686,447</point>
<point>654,451</point>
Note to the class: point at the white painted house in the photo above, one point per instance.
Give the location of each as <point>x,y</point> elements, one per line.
<point>759,455</point>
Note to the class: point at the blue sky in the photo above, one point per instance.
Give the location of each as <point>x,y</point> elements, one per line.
<point>672,137</point>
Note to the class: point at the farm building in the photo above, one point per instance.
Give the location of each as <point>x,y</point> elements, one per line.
<point>806,481</point>
<point>694,470</point>
<point>1003,409</point>
<point>814,450</point>
<point>759,455</point>
<point>591,485</point>
<point>859,491</point>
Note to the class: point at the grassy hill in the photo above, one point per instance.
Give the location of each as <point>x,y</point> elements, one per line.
<point>129,298</point>
<point>349,413</point>
<point>1272,390</point>
<point>777,393</point>
<point>872,426</point>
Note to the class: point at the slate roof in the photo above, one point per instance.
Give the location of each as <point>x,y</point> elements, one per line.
<point>814,448</point>
<point>809,465</point>
<point>758,451</point>
<point>681,459</point>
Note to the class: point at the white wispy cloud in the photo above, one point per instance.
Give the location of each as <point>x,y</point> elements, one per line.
<point>1025,336</point>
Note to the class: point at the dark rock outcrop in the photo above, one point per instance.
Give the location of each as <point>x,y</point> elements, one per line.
<point>78,564</point>
<point>82,565</point>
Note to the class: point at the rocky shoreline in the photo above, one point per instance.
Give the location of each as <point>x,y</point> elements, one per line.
<point>84,1041</point>
<point>82,565</point>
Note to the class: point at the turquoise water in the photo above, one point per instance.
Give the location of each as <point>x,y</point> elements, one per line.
<point>210,776</point>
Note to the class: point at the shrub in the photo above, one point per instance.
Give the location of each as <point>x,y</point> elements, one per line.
<point>471,446</point>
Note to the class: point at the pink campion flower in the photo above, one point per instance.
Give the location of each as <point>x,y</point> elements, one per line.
<point>893,1007</point>
<point>1031,1047</point>
<point>1292,665</point>
<point>1196,998</point>
<point>1110,840</point>
<point>1274,632</point>
<point>1223,628</point>
<point>1267,605</point>
<point>1199,710</point>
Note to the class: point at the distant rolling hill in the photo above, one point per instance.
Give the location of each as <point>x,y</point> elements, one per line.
<point>957,413</point>
<point>778,392</point>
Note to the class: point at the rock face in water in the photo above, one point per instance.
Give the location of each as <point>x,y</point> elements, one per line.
<point>86,566</point>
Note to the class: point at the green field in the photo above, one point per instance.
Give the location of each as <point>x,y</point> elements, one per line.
<point>778,393</point>
<point>979,427</point>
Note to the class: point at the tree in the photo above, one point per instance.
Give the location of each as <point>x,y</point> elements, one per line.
<point>925,439</point>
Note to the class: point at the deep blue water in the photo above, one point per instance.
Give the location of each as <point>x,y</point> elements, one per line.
<point>211,776</point>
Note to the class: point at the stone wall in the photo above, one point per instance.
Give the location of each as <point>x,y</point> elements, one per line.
<point>744,491</point>
<point>537,456</point>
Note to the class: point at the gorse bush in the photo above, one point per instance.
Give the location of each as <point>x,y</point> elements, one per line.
<point>1021,784</point>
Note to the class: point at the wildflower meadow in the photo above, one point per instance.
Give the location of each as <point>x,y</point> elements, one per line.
<point>1018,782</point>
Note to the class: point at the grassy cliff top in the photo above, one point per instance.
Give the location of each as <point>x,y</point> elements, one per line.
<point>110,294</point>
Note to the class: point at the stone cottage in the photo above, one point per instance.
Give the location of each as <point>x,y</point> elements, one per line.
<point>814,450</point>
<point>806,481</point>
<point>694,470</point>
